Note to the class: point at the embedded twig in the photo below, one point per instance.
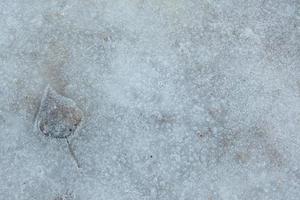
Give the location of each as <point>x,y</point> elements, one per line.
<point>72,153</point>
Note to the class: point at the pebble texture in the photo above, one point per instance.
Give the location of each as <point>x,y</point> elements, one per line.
<point>182,99</point>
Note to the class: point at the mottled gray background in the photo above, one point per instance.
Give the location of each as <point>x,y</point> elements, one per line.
<point>182,99</point>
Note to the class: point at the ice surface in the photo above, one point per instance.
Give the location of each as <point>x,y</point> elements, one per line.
<point>182,99</point>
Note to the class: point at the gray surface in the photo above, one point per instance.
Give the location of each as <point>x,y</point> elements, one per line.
<point>182,99</point>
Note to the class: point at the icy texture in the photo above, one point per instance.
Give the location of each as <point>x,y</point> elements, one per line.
<point>182,99</point>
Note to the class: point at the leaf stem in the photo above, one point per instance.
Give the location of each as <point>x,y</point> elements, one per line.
<point>72,153</point>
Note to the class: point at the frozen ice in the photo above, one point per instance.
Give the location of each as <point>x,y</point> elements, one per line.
<point>181,99</point>
<point>66,196</point>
